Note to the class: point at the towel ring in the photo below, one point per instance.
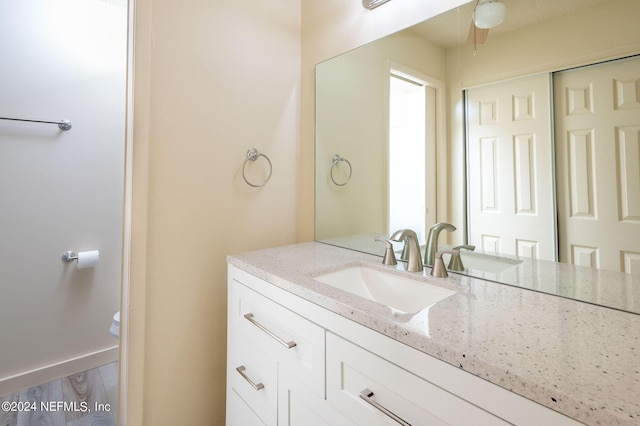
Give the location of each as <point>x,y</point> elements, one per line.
<point>337,160</point>
<point>252,155</point>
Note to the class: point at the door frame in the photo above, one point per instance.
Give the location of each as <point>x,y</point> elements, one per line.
<point>130,384</point>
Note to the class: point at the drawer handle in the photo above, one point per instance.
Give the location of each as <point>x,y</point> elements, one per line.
<point>241,370</point>
<point>287,345</point>
<point>366,395</point>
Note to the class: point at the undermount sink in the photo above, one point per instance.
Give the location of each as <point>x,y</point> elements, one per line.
<point>487,262</point>
<point>399,293</point>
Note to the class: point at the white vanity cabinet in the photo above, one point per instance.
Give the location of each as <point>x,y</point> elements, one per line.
<point>275,360</point>
<point>305,365</point>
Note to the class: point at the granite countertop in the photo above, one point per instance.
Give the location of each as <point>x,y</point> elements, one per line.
<point>580,359</point>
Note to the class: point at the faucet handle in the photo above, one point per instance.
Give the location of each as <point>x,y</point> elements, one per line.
<point>455,263</point>
<point>389,257</point>
<point>464,247</point>
<point>439,270</point>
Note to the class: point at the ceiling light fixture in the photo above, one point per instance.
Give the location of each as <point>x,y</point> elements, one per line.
<point>371,4</point>
<point>489,14</point>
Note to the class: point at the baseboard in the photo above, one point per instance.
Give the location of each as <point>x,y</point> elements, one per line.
<point>58,370</point>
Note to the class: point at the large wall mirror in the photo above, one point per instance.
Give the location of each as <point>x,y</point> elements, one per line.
<point>402,139</point>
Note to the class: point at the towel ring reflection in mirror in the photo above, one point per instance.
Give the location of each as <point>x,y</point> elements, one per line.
<point>252,155</point>
<point>336,161</point>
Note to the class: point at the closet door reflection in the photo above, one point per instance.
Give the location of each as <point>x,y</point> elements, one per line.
<point>597,120</point>
<point>510,167</point>
<point>596,167</point>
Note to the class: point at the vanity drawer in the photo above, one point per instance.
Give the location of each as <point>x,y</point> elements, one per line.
<point>355,376</point>
<point>296,343</point>
<point>253,376</point>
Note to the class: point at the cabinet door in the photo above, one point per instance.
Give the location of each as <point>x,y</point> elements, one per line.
<point>300,406</point>
<point>358,381</point>
<point>239,413</point>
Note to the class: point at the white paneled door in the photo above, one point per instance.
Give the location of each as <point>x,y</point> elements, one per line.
<point>510,164</point>
<point>597,121</point>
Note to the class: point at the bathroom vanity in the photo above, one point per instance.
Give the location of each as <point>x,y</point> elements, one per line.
<point>302,351</point>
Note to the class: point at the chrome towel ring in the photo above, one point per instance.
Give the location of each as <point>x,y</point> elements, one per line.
<point>336,161</point>
<point>252,155</point>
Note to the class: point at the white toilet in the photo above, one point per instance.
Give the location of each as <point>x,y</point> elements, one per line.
<point>115,326</point>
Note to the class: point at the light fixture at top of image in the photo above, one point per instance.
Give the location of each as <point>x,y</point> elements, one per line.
<point>489,14</point>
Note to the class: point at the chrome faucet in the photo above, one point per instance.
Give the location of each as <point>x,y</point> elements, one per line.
<point>414,261</point>
<point>432,241</point>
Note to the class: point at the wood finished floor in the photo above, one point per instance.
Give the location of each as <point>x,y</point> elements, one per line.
<point>70,401</point>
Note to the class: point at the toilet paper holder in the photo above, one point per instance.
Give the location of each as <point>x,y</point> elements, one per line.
<point>84,259</point>
<point>69,256</point>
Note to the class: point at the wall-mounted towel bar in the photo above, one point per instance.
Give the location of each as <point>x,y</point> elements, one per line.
<point>62,124</point>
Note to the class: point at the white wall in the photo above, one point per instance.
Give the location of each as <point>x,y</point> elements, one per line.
<point>61,190</point>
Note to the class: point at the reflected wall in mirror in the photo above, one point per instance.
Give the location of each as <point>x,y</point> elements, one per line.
<point>385,118</point>
<point>537,39</point>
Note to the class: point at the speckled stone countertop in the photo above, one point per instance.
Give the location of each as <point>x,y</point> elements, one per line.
<point>577,358</point>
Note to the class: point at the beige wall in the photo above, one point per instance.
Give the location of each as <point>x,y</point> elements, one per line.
<point>329,28</point>
<point>352,122</point>
<point>607,31</point>
<point>213,79</point>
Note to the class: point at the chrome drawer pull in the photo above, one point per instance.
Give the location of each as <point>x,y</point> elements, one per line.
<point>366,394</point>
<point>241,370</point>
<point>287,345</point>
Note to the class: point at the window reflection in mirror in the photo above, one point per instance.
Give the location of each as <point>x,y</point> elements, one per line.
<point>407,128</point>
<point>415,109</point>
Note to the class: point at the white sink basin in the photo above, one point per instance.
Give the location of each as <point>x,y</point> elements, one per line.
<point>486,262</point>
<point>399,293</point>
